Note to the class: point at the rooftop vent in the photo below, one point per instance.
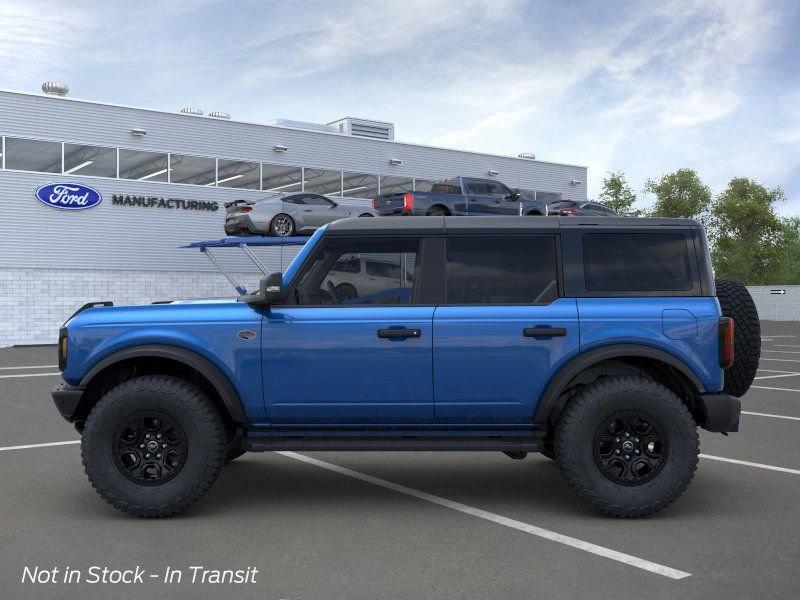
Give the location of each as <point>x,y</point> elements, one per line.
<point>192,110</point>
<point>376,130</point>
<point>303,125</point>
<point>219,115</point>
<point>527,155</point>
<point>53,88</point>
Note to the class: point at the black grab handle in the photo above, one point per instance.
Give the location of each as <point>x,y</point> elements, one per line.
<point>544,332</point>
<point>399,333</point>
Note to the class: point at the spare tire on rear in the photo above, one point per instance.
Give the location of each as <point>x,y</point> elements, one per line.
<point>736,302</point>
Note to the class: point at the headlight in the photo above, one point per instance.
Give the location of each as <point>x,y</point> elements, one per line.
<point>62,348</point>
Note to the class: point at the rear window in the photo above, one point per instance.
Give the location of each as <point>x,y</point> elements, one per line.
<point>503,270</point>
<point>446,187</point>
<point>636,262</point>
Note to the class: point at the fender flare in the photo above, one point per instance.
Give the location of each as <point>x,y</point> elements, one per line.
<point>218,380</point>
<point>549,400</point>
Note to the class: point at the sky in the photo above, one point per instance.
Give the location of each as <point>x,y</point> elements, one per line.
<point>639,87</point>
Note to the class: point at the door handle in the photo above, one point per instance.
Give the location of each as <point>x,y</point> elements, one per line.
<point>307,210</point>
<point>399,333</point>
<point>544,332</point>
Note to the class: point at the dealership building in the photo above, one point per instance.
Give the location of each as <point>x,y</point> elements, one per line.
<point>162,179</point>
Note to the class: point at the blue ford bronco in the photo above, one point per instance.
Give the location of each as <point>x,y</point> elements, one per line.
<point>601,343</point>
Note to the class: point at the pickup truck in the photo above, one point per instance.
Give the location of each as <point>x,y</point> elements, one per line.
<point>464,196</point>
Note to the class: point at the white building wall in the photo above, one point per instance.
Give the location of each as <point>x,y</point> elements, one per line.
<point>775,306</point>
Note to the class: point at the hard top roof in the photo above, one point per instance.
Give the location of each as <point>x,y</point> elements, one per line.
<point>510,224</point>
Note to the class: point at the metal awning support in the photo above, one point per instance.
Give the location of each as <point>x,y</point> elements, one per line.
<point>223,270</point>
<point>244,244</point>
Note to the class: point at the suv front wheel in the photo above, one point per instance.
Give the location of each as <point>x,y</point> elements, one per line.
<point>153,445</point>
<point>627,445</point>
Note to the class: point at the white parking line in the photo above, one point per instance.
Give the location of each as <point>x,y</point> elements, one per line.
<point>776,376</point>
<point>780,359</point>
<point>758,414</point>
<point>633,561</point>
<point>28,375</point>
<point>777,389</point>
<point>751,464</point>
<point>28,367</point>
<point>46,445</point>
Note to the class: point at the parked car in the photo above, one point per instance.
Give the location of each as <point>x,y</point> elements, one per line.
<point>464,196</point>
<point>603,348</point>
<point>285,214</point>
<point>572,208</point>
<point>365,278</point>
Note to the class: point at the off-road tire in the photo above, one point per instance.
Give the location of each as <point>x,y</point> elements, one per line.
<point>586,413</point>
<point>182,402</point>
<point>736,302</point>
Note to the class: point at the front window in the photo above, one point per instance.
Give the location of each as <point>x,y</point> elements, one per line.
<point>337,277</point>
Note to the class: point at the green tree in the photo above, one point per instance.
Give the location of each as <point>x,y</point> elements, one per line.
<point>748,238</point>
<point>618,195</point>
<point>679,195</point>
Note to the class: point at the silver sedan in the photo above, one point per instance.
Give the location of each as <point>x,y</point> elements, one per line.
<point>287,214</point>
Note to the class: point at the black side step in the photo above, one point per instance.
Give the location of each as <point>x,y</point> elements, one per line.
<point>494,444</point>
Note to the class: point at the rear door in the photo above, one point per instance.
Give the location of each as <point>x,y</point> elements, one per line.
<point>503,331</point>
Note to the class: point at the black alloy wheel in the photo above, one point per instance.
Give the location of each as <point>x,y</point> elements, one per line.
<point>151,448</point>
<point>630,448</point>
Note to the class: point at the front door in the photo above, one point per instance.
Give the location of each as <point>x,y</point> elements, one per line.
<point>352,349</point>
<point>503,331</point>
<point>319,210</point>
<point>487,197</point>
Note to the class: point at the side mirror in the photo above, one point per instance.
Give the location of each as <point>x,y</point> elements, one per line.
<point>334,204</point>
<point>514,195</point>
<point>270,291</point>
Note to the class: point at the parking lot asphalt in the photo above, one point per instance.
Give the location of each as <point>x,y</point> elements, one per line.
<point>411,525</point>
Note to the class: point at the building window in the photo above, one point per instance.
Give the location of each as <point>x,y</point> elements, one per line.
<point>143,166</point>
<point>279,178</point>
<point>238,174</point>
<point>90,160</point>
<point>33,155</point>
<point>396,185</point>
<point>423,185</point>
<point>324,182</point>
<point>196,170</point>
<point>359,185</point>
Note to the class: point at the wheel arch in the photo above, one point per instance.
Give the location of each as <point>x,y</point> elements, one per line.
<point>653,362</point>
<point>165,359</point>
<point>444,207</point>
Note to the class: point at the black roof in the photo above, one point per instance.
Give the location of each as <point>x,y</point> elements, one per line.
<point>510,224</point>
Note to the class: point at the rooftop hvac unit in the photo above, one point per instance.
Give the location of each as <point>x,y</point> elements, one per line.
<point>527,155</point>
<point>53,88</point>
<point>215,114</point>
<point>376,130</point>
<point>192,110</point>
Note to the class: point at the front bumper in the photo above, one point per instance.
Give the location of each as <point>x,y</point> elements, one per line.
<point>721,412</point>
<point>67,399</point>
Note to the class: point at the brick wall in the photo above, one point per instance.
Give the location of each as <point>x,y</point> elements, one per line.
<point>35,302</point>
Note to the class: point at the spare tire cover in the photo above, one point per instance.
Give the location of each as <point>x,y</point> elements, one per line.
<point>736,302</point>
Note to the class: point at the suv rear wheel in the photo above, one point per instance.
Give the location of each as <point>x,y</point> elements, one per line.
<point>627,445</point>
<point>167,443</point>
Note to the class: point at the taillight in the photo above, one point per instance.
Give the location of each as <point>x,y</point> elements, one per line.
<point>246,209</point>
<point>408,202</point>
<point>374,200</point>
<point>726,327</point>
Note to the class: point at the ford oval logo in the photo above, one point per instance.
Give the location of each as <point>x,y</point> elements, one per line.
<point>68,196</point>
